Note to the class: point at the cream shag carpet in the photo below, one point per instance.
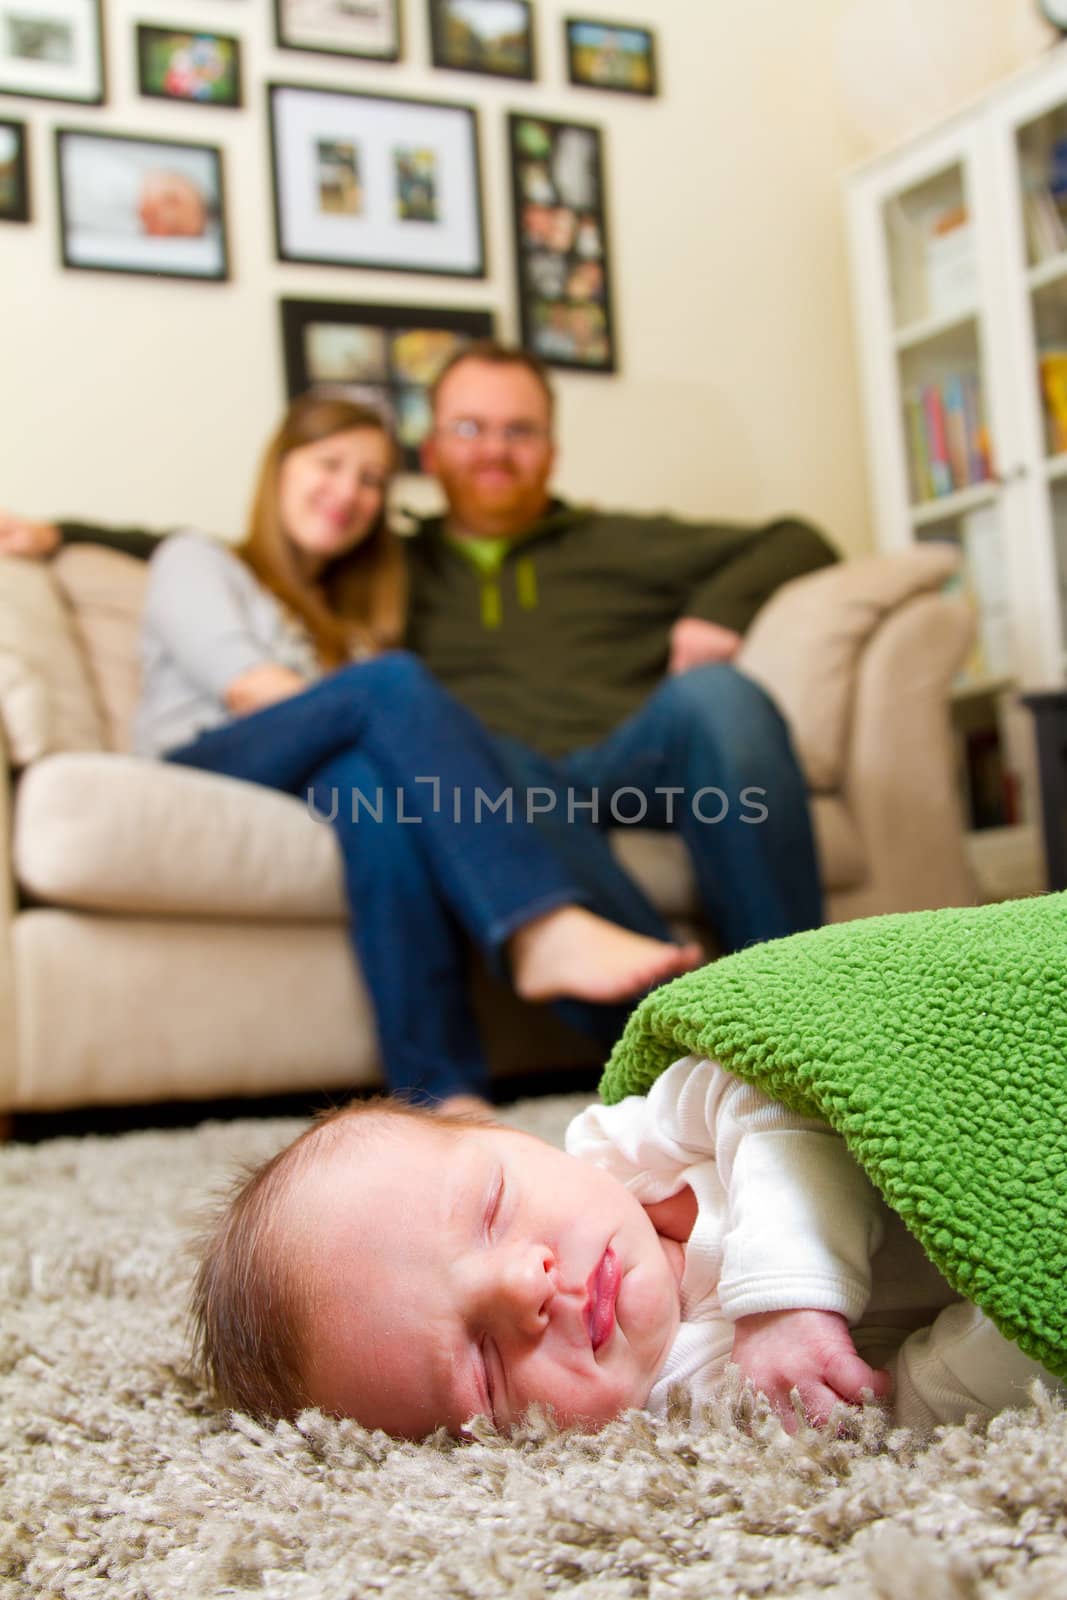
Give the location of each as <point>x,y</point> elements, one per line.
<point>118,1480</point>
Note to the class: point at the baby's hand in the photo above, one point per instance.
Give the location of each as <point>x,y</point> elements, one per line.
<point>810,1351</point>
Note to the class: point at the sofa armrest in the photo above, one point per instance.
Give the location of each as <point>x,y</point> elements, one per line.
<point>8,908</point>
<point>900,782</point>
<point>806,643</point>
<point>46,695</point>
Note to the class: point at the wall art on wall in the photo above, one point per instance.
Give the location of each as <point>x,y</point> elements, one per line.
<point>376,181</point>
<point>367,28</point>
<point>493,36</point>
<point>561,242</point>
<point>605,55</point>
<point>130,204</point>
<point>383,356</point>
<point>177,64</point>
<point>14,173</point>
<point>52,50</point>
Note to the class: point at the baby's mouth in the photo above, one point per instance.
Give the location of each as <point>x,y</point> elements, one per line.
<point>602,1292</point>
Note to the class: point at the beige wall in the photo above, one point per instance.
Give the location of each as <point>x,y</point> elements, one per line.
<point>129,399</point>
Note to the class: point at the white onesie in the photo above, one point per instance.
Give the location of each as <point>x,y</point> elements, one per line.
<point>786,1219</point>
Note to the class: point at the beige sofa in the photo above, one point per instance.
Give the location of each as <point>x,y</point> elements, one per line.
<point>168,934</point>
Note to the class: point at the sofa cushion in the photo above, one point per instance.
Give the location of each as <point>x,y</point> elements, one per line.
<point>118,834</point>
<point>804,645</point>
<point>105,591</point>
<point>46,697</point>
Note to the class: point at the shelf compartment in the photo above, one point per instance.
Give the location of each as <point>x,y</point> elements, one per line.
<point>933,329</point>
<point>1053,270</point>
<point>931,248</point>
<point>950,506</point>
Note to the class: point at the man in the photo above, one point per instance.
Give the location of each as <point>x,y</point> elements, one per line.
<point>597,647</point>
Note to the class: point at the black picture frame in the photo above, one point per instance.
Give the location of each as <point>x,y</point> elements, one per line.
<point>466,52</point>
<point>377,354</point>
<point>347,193</point>
<point>294,31</point>
<point>196,73</point>
<point>14,171</point>
<point>638,75</point>
<point>46,55</point>
<point>562,247</point>
<point>104,188</point>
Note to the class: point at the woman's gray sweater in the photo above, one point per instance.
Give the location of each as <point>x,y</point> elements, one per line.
<point>207,619</point>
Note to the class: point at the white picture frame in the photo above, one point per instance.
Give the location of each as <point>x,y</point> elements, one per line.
<point>369,30</point>
<point>376,181</point>
<point>147,206</point>
<point>52,50</point>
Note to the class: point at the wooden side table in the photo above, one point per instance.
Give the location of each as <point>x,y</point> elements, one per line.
<point>1049,710</point>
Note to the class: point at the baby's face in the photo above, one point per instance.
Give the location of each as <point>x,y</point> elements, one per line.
<point>171,206</point>
<point>457,1272</point>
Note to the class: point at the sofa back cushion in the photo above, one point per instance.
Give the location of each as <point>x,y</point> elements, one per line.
<point>47,701</point>
<point>105,591</point>
<point>805,644</point>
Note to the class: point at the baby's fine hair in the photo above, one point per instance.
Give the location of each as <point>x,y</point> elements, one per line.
<point>250,1297</point>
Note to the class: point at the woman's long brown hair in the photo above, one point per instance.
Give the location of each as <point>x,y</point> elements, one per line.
<point>359,601</point>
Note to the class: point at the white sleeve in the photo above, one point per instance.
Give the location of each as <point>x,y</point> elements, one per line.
<point>802,1220</point>
<point>641,1140</point>
<point>196,609</point>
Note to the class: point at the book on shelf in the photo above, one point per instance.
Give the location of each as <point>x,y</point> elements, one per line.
<point>947,438</point>
<point>951,262</point>
<point>1052,365</point>
<point>1046,235</point>
<point>982,581</point>
<point>1045,202</point>
<point>980,536</point>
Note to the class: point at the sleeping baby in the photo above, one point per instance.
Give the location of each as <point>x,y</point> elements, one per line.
<point>413,1270</point>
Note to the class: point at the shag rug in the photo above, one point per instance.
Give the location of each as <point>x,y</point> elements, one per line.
<point>118,1481</point>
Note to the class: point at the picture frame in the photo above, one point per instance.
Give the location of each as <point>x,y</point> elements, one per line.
<point>386,356</point>
<point>369,30</point>
<point>195,66</point>
<point>128,203</point>
<point>14,172</point>
<point>376,181</point>
<point>562,256</point>
<point>617,56</point>
<point>53,50</point>
<point>493,37</point>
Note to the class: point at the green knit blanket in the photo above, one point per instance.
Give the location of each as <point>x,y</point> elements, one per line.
<point>935,1043</point>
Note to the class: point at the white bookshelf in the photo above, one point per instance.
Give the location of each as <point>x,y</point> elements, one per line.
<point>958,244</point>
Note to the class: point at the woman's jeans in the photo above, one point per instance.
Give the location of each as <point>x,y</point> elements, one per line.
<point>380,750</point>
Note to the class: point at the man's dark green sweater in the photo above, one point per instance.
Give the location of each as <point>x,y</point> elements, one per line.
<point>569,633</point>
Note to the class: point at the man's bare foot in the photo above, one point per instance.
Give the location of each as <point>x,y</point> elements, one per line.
<point>471,1106</point>
<point>573,953</point>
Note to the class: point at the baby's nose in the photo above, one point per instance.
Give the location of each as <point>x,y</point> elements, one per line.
<point>525,1289</point>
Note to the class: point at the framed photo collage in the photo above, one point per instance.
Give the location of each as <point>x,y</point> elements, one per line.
<point>360,177</point>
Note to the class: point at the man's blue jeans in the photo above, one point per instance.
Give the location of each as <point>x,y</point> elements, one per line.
<point>417,881</point>
<point>714,738</point>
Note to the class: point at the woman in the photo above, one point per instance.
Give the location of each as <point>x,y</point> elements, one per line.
<point>275,663</point>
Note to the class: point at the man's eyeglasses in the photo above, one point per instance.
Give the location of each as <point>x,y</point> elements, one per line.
<point>471,430</point>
